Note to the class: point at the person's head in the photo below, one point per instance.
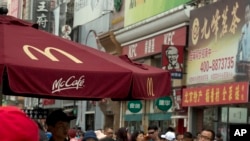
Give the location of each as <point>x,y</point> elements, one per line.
<point>171,129</point>
<point>15,125</point>
<point>137,136</point>
<point>78,129</point>
<point>187,136</point>
<point>218,136</point>
<point>206,135</point>
<point>169,136</point>
<point>58,124</point>
<point>179,137</point>
<point>122,134</point>
<point>172,55</point>
<point>153,132</point>
<point>72,133</point>
<point>90,136</point>
<point>108,131</point>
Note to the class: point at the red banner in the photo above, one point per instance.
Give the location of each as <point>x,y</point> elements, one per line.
<point>230,93</point>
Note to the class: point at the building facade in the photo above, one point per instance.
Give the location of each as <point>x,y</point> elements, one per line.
<point>145,39</point>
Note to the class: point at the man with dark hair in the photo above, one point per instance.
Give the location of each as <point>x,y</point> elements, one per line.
<point>219,137</point>
<point>153,133</point>
<point>206,135</point>
<point>187,136</point>
<point>58,125</point>
<point>171,129</point>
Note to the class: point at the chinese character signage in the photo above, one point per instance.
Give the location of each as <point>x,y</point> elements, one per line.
<point>135,106</point>
<point>153,45</point>
<point>219,45</point>
<point>172,60</point>
<point>138,10</point>
<point>41,13</point>
<point>164,103</point>
<point>229,93</point>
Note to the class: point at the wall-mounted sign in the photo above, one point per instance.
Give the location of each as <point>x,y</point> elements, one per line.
<point>219,43</point>
<point>135,106</point>
<point>172,60</point>
<point>164,103</point>
<point>41,13</point>
<point>229,93</point>
<point>66,30</point>
<point>153,45</point>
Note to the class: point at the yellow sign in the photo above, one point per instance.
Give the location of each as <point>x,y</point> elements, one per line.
<point>46,52</point>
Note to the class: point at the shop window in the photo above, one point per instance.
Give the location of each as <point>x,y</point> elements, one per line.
<point>89,122</point>
<point>208,116</point>
<point>133,126</point>
<point>162,124</point>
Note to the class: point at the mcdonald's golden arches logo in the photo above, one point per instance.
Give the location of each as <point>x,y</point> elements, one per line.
<point>150,86</point>
<point>47,52</point>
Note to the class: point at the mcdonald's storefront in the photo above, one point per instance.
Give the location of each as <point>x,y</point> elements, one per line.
<point>162,111</point>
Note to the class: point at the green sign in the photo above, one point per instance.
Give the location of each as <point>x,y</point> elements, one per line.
<point>138,10</point>
<point>134,106</point>
<point>164,103</point>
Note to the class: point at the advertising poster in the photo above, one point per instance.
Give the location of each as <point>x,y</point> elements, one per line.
<point>172,60</point>
<point>219,43</point>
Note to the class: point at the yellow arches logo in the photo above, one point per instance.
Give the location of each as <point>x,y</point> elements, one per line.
<point>150,87</point>
<point>47,52</point>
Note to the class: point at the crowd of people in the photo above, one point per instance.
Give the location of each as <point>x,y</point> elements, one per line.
<point>16,121</point>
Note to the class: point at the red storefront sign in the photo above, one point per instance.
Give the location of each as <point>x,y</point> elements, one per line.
<point>230,93</point>
<point>154,44</point>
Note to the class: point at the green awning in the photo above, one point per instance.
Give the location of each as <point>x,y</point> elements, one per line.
<point>133,117</point>
<point>160,116</point>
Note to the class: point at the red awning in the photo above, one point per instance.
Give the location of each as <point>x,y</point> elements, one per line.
<point>38,64</point>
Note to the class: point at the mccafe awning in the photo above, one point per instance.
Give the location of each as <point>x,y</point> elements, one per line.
<point>35,63</point>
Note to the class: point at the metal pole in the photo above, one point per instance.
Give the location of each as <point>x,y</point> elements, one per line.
<point>227,123</point>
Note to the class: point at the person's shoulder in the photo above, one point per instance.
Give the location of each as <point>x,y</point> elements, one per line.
<point>106,139</point>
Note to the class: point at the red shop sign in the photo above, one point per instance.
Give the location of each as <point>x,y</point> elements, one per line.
<point>230,93</point>
<point>154,44</point>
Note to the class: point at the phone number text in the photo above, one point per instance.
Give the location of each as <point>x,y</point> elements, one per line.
<point>217,64</point>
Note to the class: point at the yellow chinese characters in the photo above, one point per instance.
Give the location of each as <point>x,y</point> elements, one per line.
<point>235,20</point>
<point>220,94</point>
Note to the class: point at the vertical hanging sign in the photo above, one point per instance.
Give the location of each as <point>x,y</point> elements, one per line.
<point>41,14</point>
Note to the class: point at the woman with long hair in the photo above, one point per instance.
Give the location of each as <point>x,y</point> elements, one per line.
<point>137,136</point>
<point>122,134</point>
